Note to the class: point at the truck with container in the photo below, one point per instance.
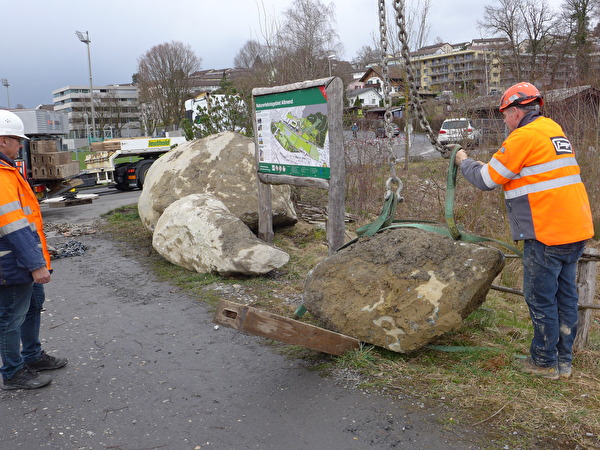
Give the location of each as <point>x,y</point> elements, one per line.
<point>123,163</point>
<point>43,160</point>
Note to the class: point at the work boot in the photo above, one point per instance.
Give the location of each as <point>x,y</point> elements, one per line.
<point>564,370</point>
<point>25,378</point>
<point>528,366</point>
<point>46,362</point>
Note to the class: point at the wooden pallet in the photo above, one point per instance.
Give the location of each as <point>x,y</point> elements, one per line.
<point>71,202</point>
<point>290,331</point>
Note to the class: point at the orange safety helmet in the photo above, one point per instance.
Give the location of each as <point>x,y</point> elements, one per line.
<point>520,94</point>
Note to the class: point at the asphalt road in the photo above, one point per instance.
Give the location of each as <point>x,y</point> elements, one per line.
<point>147,369</point>
<point>108,199</point>
<point>366,145</point>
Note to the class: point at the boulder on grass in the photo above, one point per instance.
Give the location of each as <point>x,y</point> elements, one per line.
<point>199,233</point>
<point>223,165</point>
<point>401,288</point>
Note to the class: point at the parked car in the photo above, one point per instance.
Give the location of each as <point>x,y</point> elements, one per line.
<point>459,131</point>
<point>380,130</point>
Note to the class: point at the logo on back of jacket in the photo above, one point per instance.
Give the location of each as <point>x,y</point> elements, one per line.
<point>561,145</point>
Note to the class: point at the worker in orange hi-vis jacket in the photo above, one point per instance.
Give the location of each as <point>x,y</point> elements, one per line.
<point>549,210</point>
<point>24,268</point>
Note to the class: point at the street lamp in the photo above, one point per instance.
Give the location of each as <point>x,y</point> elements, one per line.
<point>6,85</point>
<point>329,61</point>
<point>85,38</point>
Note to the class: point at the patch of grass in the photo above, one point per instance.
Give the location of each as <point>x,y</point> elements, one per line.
<point>364,357</point>
<point>122,223</point>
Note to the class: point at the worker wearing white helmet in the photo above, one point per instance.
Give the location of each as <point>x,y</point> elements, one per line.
<point>24,268</point>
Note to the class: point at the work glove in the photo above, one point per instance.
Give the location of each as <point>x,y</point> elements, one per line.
<point>447,150</point>
<point>453,149</point>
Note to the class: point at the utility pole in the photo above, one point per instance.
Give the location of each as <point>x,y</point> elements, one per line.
<point>6,85</point>
<point>85,38</point>
<point>329,61</point>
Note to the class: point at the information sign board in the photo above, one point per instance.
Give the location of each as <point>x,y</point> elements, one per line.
<point>293,133</point>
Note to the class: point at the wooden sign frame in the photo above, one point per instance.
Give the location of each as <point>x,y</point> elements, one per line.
<point>333,87</point>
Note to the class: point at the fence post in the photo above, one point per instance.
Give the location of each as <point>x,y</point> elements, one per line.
<point>586,285</point>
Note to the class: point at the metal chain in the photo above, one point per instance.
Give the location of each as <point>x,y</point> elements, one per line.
<point>387,104</point>
<point>414,94</point>
<point>384,64</point>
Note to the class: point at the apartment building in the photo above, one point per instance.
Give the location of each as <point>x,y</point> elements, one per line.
<point>468,66</point>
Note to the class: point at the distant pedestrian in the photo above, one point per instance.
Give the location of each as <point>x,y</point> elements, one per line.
<point>354,129</point>
<point>24,268</point>
<point>549,210</point>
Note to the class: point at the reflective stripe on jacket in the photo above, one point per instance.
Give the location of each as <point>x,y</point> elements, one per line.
<point>544,195</point>
<point>23,246</point>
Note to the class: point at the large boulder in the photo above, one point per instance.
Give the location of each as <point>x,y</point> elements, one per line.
<point>199,233</point>
<point>223,165</point>
<point>401,288</point>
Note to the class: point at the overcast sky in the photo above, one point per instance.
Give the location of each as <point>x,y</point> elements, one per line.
<point>40,51</point>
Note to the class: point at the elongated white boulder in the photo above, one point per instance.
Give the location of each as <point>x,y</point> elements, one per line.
<point>199,233</point>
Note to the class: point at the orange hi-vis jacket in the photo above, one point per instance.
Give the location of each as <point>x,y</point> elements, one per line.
<point>544,195</point>
<point>23,246</point>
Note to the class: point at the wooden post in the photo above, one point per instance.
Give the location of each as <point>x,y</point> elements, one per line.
<point>265,212</point>
<point>337,160</point>
<point>586,285</point>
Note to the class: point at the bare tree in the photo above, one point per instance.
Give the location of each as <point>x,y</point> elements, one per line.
<point>506,20</point>
<point>305,41</point>
<point>108,114</point>
<point>259,55</point>
<point>417,26</point>
<point>367,55</point>
<point>537,25</point>
<point>163,74</point>
<point>418,15</point>
<point>253,53</point>
<point>295,49</point>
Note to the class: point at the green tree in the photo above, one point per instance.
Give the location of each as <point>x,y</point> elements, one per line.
<point>579,14</point>
<point>224,110</point>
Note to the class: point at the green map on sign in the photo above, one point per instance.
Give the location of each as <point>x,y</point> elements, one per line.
<point>301,134</point>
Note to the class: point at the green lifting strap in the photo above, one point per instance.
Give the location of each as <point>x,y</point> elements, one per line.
<point>450,190</point>
<point>385,219</point>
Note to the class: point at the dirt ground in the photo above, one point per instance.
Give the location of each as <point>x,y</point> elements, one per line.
<point>147,369</point>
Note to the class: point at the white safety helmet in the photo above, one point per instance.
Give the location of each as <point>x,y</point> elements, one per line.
<point>11,125</point>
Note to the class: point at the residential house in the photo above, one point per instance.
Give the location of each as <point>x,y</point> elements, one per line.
<point>373,77</point>
<point>368,96</point>
<point>355,83</point>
